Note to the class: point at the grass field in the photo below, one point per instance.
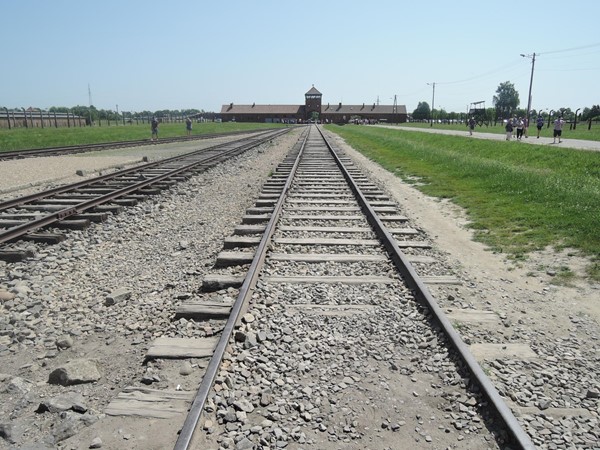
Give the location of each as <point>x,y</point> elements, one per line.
<point>519,198</point>
<point>29,138</point>
<point>580,132</point>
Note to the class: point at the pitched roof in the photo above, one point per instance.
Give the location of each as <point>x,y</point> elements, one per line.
<point>313,91</point>
<point>260,109</point>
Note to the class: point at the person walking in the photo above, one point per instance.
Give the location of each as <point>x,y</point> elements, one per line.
<point>539,124</point>
<point>558,125</point>
<point>154,128</point>
<point>471,125</point>
<point>520,125</point>
<point>509,129</point>
<point>188,126</point>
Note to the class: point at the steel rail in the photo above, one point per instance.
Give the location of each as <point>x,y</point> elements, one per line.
<point>189,426</point>
<point>422,293</point>
<point>69,187</point>
<point>48,219</point>
<point>27,153</point>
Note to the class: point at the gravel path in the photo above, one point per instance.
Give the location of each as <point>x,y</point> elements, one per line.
<point>580,144</point>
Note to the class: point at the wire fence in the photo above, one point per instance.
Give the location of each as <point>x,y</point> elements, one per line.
<point>13,119</point>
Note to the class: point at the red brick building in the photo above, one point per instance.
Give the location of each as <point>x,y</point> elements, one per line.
<point>313,109</point>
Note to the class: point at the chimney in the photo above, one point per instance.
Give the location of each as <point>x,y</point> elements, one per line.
<point>230,106</point>
<point>253,104</point>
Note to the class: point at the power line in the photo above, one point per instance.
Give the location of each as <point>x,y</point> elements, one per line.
<point>570,49</point>
<point>517,62</point>
<point>560,63</point>
<point>571,70</point>
<point>513,64</point>
<point>410,94</point>
<point>576,55</point>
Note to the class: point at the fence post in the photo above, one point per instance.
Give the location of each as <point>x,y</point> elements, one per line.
<point>7,117</point>
<point>549,117</point>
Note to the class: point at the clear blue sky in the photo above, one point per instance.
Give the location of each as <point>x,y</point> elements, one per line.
<point>151,55</point>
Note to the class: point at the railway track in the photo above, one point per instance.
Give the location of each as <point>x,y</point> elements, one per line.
<point>39,217</point>
<point>74,149</point>
<point>328,344</point>
<point>333,329</point>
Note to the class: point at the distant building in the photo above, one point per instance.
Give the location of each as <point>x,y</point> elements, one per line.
<point>313,109</point>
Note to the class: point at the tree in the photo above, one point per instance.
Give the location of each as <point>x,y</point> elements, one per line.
<point>422,112</point>
<point>521,112</point>
<point>59,109</point>
<point>441,114</point>
<point>592,112</point>
<point>567,113</point>
<point>506,100</point>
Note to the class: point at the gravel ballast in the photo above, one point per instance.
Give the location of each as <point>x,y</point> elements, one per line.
<point>106,292</point>
<point>86,310</point>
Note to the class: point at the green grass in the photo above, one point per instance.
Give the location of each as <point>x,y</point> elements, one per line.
<point>519,198</point>
<point>581,132</point>
<point>563,277</point>
<point>29,138</point>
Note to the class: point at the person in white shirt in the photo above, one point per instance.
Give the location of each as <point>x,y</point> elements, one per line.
<point>558,125</point>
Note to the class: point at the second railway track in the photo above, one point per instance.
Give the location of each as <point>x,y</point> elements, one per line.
<point>76,205</point>
<point>74,149</point>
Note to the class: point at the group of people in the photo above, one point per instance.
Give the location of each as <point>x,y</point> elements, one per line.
<point>519,124</point>
<point>154,127</point>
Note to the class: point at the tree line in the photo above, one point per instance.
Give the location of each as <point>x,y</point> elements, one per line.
<point>506,105</point>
